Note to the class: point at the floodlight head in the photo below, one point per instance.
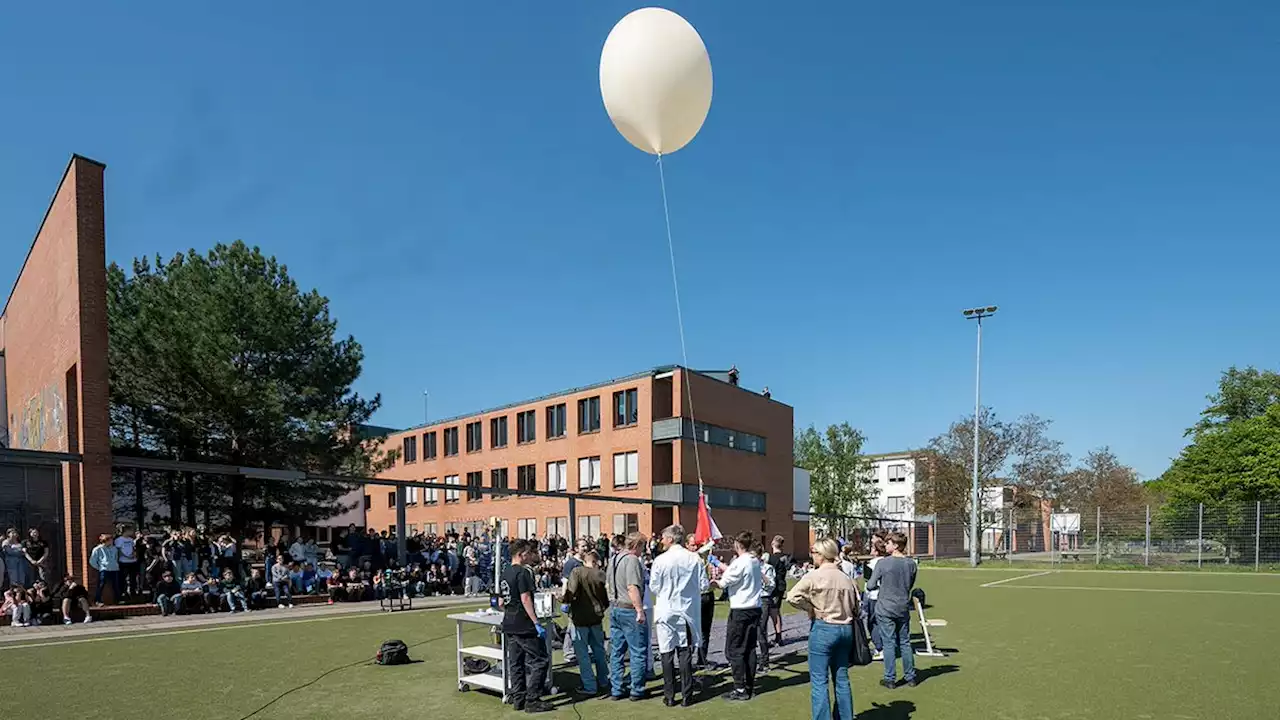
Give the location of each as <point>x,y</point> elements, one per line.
<point>991,309</point>
<point>969,312</point>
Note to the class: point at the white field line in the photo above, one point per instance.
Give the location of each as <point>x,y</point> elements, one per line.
<point>1069,569</point>
<point>1180,591</point>
<point>1016,577</point>
<point>210,628</point>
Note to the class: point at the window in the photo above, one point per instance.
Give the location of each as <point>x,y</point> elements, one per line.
<point>429,445</point>
<point>411,449</point>
<point>724,437</point>
<point>527,477</point>
<point>413,529</point>
<point>526,427</point>
<point>558,526</point>
<point>450,528</point>
<point>625,408</point>
<point>498,480</point>
<point>556,419</point>
<point>411,495</point>
<point>474,480</point>
<point>897,473</point>
<point>475,441</point>
<point>896,504</point>
<point>589,473</point>
<point>557,476</point>
<point>432,496</point>
<point>391,499</point>
<point>626,523</point>
<point>451,496</point>
<point>504,528</point>
<point>368,503</point>
<point>588,415</point>
<point>626,469</point>
<point>589,525</point>
<point>527,528</point>
<point>450,441</point>
<point>322,535</point>
<point>429,529</point>
<point>498,432</point>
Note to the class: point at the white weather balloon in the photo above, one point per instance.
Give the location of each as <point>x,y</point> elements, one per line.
<point>655,78</point>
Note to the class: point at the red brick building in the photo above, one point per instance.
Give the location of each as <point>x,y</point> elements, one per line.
<point>629,437</point>
<point>53,375</point>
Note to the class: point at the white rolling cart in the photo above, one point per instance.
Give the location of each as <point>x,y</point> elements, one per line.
<point>496,679</point>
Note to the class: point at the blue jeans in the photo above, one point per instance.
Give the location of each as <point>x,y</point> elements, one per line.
<point>235,599</point>
<point>896,634</point>
<point>627,634</point>
<point>590,639</point>
<point>829,648</point>
<point>108,577</point>
<point>169,604</point>
<point>282,588</point>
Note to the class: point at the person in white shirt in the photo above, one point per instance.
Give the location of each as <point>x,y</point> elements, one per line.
<point>676,581</point>
<point>768,585</point>
<point>743,582</point>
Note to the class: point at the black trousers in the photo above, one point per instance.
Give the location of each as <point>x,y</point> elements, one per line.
<point>684,656</point>
<point>527,663</point>
<point>762,633</point>
<point>740,648</point>
<point>708,615</point>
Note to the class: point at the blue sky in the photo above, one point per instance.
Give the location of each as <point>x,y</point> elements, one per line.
<point>1107,172</point>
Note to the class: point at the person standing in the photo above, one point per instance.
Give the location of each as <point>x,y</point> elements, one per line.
<point>572,562</point>
<point>781,564</point>
<point>37,552</point>
<point>873,631</point>
<point>742,581</point>
<point>768,584</point>
<point>831,599</point>
<point>627,632</point>
<point>527,659</point>
<point>130,572</point>
<point>708,601</point>
<point>588,601</point>
<point>14,560</point>
<point>894,576</point>
<point>676,580</point>
<point>105,559</point>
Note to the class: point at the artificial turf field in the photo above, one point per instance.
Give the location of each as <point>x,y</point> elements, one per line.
<point>1059,645</point>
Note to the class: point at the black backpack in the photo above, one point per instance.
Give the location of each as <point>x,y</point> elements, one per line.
<point>393,652</point>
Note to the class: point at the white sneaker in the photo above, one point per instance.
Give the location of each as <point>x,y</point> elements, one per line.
<point>878,655</point>
<point>290,604</point>
<point>19,624</point>
<point>88,619</point>
<point>280,606</point>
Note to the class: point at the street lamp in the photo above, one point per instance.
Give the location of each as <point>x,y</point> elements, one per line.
<point>975,534</point>
<point>425,415</point>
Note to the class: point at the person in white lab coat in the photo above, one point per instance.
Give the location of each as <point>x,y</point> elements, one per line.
<point>676,581</point>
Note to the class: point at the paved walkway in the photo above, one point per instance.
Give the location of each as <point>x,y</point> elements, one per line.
<point>155,624</point>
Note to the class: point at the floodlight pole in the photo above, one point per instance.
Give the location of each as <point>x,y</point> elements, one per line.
<point>975,532</point>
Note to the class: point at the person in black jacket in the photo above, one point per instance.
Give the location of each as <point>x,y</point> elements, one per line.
<point>168,594</point>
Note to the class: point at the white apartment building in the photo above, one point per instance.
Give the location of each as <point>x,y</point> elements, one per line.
<point>894,476</point>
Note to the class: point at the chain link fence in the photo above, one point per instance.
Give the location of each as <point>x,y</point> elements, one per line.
<point>1168,536</point>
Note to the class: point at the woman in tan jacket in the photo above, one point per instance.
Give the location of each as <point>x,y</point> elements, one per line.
<point>831,599</point>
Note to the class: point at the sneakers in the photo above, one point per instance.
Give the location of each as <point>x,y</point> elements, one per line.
<point>88,619</point>
<point>280,606</point>
<point>290,604</point>
<point>20,624</point>
<point>877,656</point>
<point>736,696</point>
<point>330,601</point>
<point>538,706</point>
<point>911,682</point>
<point>66,621</point>
<point>889,684</point>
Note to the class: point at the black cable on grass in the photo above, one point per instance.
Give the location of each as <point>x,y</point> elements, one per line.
<point>326,673</point>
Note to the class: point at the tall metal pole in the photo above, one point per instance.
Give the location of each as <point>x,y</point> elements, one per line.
<point>1097,550</point>
<point>426,416</point>
<point>1146,549</point>
<point>1257,537</point>
<point>1200,537</point>
<point>975,533</point>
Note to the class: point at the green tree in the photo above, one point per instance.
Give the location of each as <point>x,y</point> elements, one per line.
<point>1238,461</point>
<point>839,473</point>
<point>1242,394</point>
<point>222,358</point>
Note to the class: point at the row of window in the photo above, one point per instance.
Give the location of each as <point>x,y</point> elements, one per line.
<point>626,412</point>
<point>626,473</point>
<point>527,528</point>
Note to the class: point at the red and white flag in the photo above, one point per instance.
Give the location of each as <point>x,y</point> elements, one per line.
<point>707,530</point>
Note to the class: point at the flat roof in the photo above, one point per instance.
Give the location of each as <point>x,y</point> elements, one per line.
<point>572,391</point>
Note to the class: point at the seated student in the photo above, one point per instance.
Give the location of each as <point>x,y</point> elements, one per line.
<point>354,586</point>
<point>212,594</point>
<point>42,604</point>
<point>168,594</point>
<point>281,583</point>
<point>193,595</point>
<point>232,592</point>
<point>255,588</point>
<point>17,605</point>
<point>379,585</point>
<point>335,587</point>
<point>73,598</point>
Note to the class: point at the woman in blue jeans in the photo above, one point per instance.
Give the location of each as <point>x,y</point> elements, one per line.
<point>831,599</point>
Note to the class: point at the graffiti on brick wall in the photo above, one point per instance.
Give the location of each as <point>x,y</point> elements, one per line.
<point>40,423</point>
